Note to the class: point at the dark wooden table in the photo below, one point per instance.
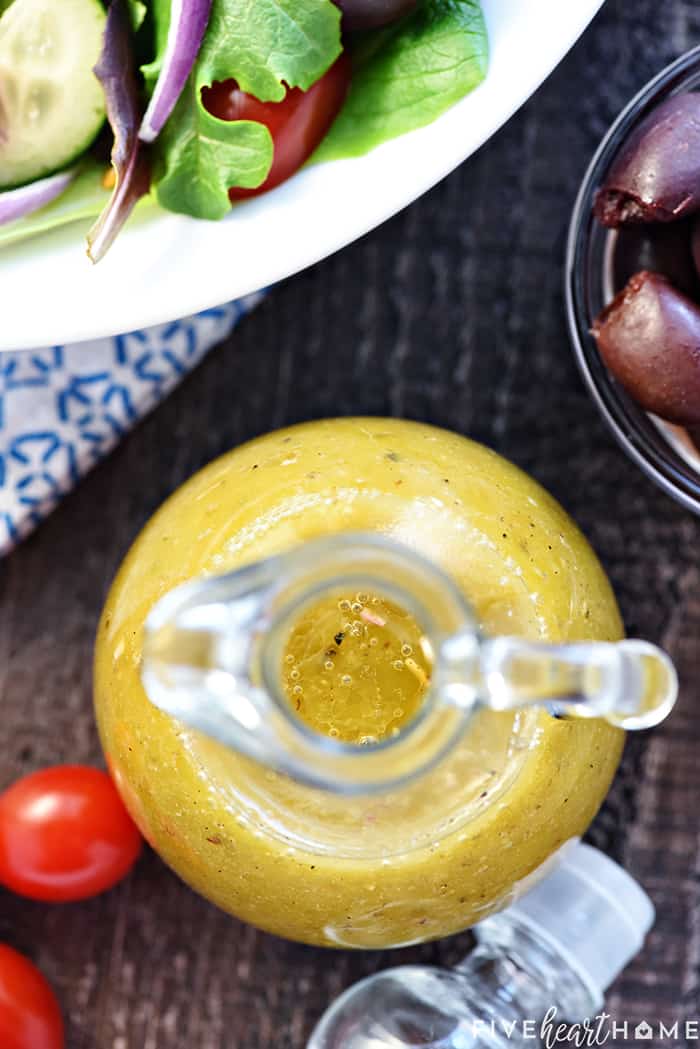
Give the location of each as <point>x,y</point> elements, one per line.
<point>452,312</point>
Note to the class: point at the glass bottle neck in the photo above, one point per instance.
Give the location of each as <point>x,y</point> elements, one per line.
<point>503,995</point>
<point>515,974</point>
<point>214,653</point>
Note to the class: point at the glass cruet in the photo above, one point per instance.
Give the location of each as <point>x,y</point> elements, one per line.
<point>213,651</point>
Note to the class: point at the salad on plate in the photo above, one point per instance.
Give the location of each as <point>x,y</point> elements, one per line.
<point>201,103</point>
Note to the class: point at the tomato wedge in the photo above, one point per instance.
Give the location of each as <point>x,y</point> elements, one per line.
<point>297,124</point>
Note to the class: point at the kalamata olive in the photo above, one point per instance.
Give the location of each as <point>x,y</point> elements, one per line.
<point>695,244</point>
<point>663,249</point>
<point>370,14</point>
<point>649,337</point>
<point>656,175</point>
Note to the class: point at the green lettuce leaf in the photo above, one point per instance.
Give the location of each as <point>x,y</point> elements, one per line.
<point>137,13</point>
<point>198,157</point>
<point>159,22</point>
<point>406,75</point>
<point>263,45</point>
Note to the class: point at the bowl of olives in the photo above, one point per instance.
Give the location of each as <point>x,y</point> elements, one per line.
<point>633,279</point>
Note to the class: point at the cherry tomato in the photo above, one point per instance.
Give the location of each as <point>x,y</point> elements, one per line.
<point>297,124</point>
<point>65,835</point>
<point>30,1017</point>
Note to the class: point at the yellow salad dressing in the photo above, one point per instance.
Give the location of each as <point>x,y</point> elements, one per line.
<point>417,861</point>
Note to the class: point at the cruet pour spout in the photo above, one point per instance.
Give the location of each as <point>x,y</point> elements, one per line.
<point>630,683</point>
<point>214,649</point>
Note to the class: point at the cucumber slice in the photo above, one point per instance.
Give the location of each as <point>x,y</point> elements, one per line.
<point>51,104</point>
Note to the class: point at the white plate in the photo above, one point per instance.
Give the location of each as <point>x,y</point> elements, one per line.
<point>169,266</point>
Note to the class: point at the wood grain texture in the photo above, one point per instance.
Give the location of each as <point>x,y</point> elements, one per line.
<point>452,313</point>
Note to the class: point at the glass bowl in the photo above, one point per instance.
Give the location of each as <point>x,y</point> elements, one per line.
<point>665,453</point>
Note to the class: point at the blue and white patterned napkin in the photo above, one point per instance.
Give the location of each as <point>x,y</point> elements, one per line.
<point>63,408</point>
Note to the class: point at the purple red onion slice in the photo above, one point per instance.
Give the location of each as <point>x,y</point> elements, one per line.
<point>16,203</point>
<point>188,23</point>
